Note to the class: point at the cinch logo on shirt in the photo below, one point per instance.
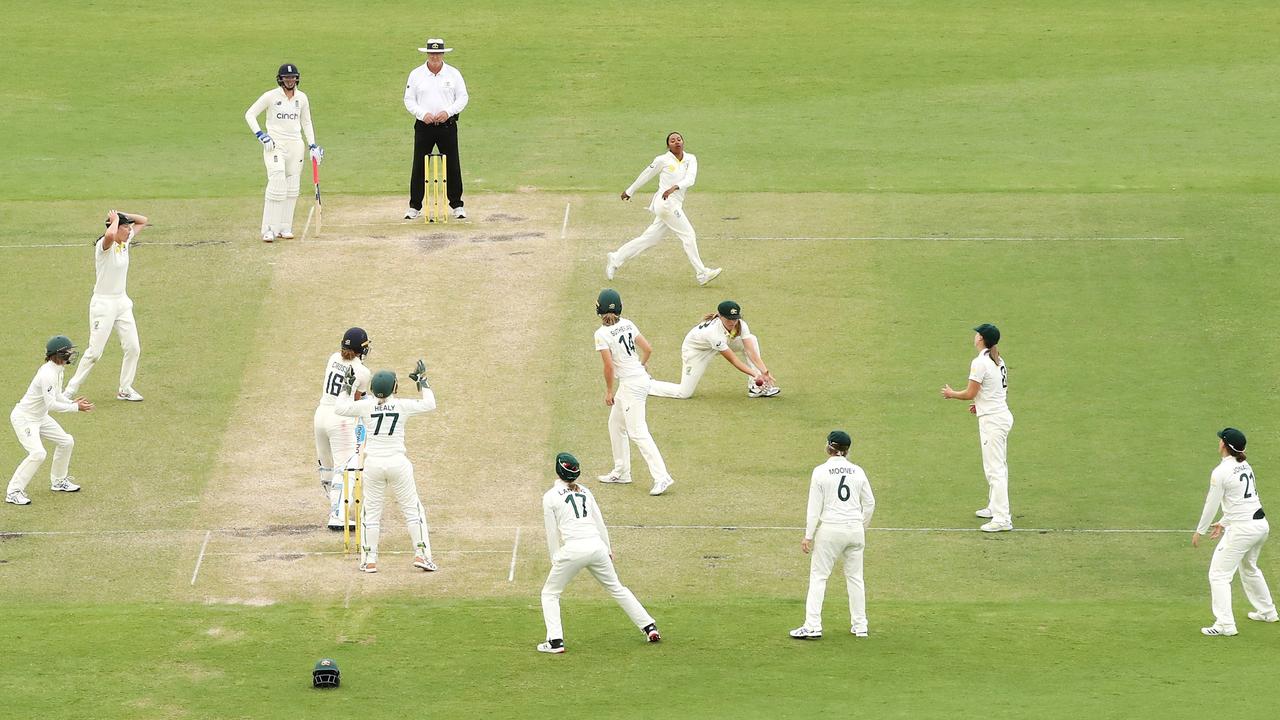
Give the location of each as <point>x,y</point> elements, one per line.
<point>286,116</point>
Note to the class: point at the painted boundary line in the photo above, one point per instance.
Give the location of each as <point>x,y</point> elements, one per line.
<point>515,548</point>
<point>200,558</point>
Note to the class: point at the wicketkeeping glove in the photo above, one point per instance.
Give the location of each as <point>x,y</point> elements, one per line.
<point>263,138</point>
<point>419,375</point>
<point>349,380</point>
<point>317,154</point>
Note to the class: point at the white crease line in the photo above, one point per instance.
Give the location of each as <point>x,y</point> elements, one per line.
<point>958,237</point>
<point>208,534</point>
<point>511,575</point>
<point>564,229</point>
<point>346,601</point>
<point>292,553</point>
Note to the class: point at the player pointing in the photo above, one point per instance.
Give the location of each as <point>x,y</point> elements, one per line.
<point>386,466</point>
<point>31,422</point>
<point>288,119</point>
<point>577,538</point>
<point>336,434</point>
<point>988,387</point>
<point>840,508</point>
<point>1243,528</point>
<point>723,333</point>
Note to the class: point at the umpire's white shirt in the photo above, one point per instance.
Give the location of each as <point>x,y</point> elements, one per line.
<point>670,172</point>
<point>43,395</point>
<point>112,267</point>
<point>839,494</point>
<point>428,92</point>
<point>385,420</point>
<point>287,118</point>
<point>993,378</point>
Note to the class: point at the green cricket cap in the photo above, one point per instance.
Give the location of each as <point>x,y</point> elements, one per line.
<point>729,309</point>
<point>1233,438</point>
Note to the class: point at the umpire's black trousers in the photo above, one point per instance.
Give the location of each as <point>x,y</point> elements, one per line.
<point>445,137</point>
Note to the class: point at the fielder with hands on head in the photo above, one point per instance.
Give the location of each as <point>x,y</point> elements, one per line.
<point>725,333</point>
<point>1243,529</point>
<point>110,307</point>
<point>336,434</point>
<point>676,171</point>
<point>839,511</point>
<point>387,468</point>
<point>572,517</point>
<point>31,422</point>
<point>435,95</point>
<point>624,353</point>
<point>288,118</point>
<point>988,388</point>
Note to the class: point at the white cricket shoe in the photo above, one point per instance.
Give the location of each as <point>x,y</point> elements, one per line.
<point>712,274</point>
<point>424,564</point>
<point>1216,630</point>
<point>65,485</point>
<point>610,266</point>
<point>1261,617</point>
<point>756,391</point>
<point>661,486</point>
<point>268,237</point>
<point>335,522</point>
<point>412,214</point>
<point>995,527</point>
<point>129,394</point>
<point>858,632</point>
<point>547,647</point>
<point>804,633</point>
<point>286,235</point>
<point>17,497</point>
<point>369,567</point>
<point>984,513</point>
<point>459,213</point>
<point>614,478</point>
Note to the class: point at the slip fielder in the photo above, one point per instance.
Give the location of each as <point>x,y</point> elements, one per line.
<point>336,434</point>
<point>31,422</point>
<point>724,333</point>
<point>288,119</point>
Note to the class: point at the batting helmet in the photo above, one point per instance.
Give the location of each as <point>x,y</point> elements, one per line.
<point>288,69</point>
<point>383,383</point>
<point>567,467</point>
<point>356,340</point>
<point>326,674</point>
<point>60,346</point>
<point>609,301</point>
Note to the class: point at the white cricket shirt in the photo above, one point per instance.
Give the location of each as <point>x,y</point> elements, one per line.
<point>385,420</point>
<point>287,118</point>
<point>112,266</point>
<point>571,516</point>
<point>839,493</point>
<point>620,340</point>
<point>335,371</point>
<point>1232,486</point>
<point>713,335</point>
<point>428,92</point>
<point>670,172</point>
<point>44,394</point>
<point>995,383</point>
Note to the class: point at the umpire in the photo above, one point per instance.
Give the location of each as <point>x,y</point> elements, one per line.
<point>435,95</point>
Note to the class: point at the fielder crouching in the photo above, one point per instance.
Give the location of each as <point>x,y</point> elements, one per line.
<point>386,466</point>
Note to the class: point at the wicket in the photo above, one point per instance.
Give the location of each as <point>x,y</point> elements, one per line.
<point>437,201</point>
<point>352,494</point>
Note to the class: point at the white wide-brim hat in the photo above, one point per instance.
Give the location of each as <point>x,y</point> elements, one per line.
<point>435,45</point>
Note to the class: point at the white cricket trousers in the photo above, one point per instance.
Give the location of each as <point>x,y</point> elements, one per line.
<point>108,312</point>
<point>30,433</point>
<point>993,431</point>
<point>283,159</point>
<point>395,475</point>
<point>666,217</point>
<point>594,556</point>
<point>626,421</point>
<point>1238,549</point>
<point>335,446</point>
<point>695,362</point>
<point>832,542</point>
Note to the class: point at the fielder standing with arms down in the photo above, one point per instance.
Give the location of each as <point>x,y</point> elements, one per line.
<point>31,421</point>
<point>110,307</point>
<point>988,387</point>
<point>676,171</point>
<point>435,95</point>
<point>624,353</point>
<point>840,508</point>
<point>724,333</point>
<point>336,434</point>
<point>572,516</point>
<point>288,118</point>
<point>386,467</point>
<point>1243,528</point>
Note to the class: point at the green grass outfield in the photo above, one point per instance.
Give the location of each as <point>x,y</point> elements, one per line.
<point>875,181</point>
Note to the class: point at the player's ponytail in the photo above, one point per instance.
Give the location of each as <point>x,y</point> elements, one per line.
<point>608,319</point>
<point>710,316</point>
<point>995,354</point>
<point>1237,454</point>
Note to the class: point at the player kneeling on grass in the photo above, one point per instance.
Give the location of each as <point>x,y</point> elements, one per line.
<point>572,516</point>
<point>31,422</point>
<point>725,333</point>
<point>386,467</point>
<point>840,507</point>
<point>1243,529</point>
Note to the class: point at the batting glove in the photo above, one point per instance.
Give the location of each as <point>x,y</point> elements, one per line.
<point>317,154</point>
<point>263,138</point>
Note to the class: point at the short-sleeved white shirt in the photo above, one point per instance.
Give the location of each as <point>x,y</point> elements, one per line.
<point>112,267</point>
<point>620,340</point>
<point>711,335</point>
<point>994,379</point>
